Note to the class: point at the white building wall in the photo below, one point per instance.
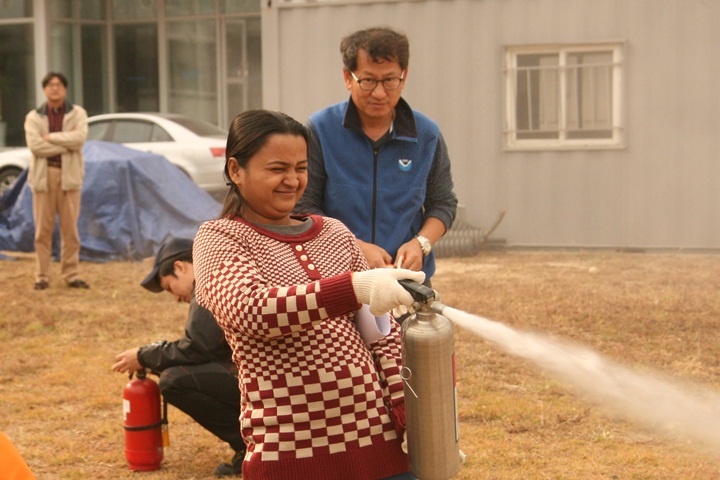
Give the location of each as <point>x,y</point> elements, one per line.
<point>658,192</point>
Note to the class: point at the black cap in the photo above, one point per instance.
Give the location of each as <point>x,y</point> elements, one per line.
<point>174,248</point>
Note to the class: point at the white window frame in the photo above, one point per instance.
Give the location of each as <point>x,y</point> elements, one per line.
<point>514,141</point>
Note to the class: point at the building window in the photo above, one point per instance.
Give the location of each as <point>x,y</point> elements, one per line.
<point>566,96</point>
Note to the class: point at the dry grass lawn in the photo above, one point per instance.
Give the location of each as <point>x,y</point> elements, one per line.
<point>61,404</point>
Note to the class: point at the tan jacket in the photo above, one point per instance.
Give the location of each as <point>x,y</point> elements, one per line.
<point>67,143</point>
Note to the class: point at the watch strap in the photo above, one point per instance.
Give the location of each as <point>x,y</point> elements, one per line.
<point>425,245</point>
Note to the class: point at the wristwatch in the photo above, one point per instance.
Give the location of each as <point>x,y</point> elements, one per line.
<point>425,245</point>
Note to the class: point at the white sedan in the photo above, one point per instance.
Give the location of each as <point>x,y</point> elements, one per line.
<point>195,146</point>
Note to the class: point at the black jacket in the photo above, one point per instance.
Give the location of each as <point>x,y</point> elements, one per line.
<point>204,342</point>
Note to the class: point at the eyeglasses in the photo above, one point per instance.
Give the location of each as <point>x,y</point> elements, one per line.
<point>369,84</point>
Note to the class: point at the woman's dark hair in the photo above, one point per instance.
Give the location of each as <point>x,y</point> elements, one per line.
<point>249,132</point>
<point>47,78</point>
<point>381,44</point>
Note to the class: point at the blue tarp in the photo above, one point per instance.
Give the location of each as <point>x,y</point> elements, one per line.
<point>131,203</point>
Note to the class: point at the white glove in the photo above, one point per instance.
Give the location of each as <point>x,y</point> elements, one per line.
<point>379,288</point>
<point>399,311</point>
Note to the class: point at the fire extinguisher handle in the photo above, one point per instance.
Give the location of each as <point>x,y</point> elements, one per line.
<point>420,293</point>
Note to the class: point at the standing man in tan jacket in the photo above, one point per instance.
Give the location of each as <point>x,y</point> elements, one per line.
<point>55,133</point>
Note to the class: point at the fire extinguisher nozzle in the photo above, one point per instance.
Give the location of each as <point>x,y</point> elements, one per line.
<point>438,307</point>
<point>420,293</point>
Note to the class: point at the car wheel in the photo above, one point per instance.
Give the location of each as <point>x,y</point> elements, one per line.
<point>7,177</point>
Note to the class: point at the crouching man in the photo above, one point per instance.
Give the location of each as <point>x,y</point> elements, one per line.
<point>197,374</point>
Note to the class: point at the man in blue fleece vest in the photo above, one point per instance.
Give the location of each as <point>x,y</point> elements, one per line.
<point>377,165</point>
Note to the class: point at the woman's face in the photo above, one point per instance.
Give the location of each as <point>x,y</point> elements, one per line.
<point>273,180</point>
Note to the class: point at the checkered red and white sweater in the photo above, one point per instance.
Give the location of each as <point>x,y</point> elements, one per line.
<point>316,402</point>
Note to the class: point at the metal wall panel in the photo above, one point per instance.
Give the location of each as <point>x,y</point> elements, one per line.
<point>660,191</point>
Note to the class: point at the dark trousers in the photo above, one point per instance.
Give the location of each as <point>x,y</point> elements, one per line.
<point>209,394</point>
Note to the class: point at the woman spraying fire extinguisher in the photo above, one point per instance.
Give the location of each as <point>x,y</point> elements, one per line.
<point>317,403</point>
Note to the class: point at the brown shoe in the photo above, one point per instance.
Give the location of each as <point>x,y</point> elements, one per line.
<point>41,285</point>
<point>78,283</point>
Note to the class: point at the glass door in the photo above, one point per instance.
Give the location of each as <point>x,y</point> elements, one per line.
<point>192,61</point>
<point>136,68</point>
<point>17,82</point>
<point>243,74</point>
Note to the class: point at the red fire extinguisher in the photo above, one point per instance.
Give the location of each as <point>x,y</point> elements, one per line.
<point>144,425</point>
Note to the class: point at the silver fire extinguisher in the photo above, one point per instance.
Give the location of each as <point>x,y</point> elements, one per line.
<point>430,384</point>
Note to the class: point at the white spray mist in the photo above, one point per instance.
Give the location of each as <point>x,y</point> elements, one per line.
<point>660,404</point>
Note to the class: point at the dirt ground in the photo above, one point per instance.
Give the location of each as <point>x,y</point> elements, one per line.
<point>61,403</point>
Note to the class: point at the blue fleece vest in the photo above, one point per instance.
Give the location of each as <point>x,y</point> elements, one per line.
<point>378,195</point>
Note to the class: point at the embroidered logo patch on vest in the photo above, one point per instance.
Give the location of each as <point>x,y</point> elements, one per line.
<point>405,164</point>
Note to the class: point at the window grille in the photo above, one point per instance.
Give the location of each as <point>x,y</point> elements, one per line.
<point>563,96</point>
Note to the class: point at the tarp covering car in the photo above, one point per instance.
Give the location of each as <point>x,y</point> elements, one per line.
<point>131,203</point>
